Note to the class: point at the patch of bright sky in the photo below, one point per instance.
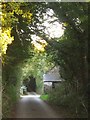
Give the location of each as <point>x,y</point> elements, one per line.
<point>53,27</point>
<point>53,30</point>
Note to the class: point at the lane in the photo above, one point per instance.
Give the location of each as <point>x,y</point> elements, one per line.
<point>31,106</point>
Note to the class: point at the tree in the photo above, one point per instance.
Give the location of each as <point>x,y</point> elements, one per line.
<point>18,23</point>
<point>72,47</point>
<point>70,51</point>
<point>20,59</point>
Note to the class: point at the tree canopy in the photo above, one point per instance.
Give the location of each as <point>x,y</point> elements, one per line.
<point>22,55</point>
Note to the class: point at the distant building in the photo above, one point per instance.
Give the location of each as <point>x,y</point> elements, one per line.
<point>51,79</point>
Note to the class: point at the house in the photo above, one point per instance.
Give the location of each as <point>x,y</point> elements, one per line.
<point>51,79</point>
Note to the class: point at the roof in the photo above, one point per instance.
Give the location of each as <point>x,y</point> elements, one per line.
<point>52,75</point>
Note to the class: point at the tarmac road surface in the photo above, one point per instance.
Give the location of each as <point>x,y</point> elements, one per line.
<point>31,106</point>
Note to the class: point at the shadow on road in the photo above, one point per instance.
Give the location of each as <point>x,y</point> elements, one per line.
<point>31,106</point>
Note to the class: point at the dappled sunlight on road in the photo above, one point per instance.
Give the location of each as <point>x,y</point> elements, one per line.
<point>29,96</point>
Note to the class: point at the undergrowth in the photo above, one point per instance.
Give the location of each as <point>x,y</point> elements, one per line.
<point>68,98</point>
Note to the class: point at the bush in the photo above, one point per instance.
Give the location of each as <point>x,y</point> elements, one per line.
<point>61,96</point>
<point>44,97</point>
<point>9,97</point>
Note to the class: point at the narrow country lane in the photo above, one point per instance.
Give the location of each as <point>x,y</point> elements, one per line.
<point>31,106</point>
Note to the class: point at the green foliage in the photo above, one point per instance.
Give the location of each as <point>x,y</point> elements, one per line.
<point>61,96</point>
<point>44,97</point>
<point>13,94</point>
<point>9,97</point>
<point>36,66</point>
<point>69,51</point>
<point>20,60</point>
<point>11,88</point>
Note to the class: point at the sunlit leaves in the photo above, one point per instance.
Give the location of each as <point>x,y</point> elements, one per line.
<point>9,20</point>
<point>8,10</point>
<point>39,44</point>
<point>27,16</point>
<point>65,24</point>
<point>37,65</point>
<point>5,39</point>
<point>39,47</point>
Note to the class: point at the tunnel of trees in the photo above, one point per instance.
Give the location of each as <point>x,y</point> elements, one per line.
<point>21,58</point>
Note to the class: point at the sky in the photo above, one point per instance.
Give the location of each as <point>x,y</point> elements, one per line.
<point>53,28</point>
